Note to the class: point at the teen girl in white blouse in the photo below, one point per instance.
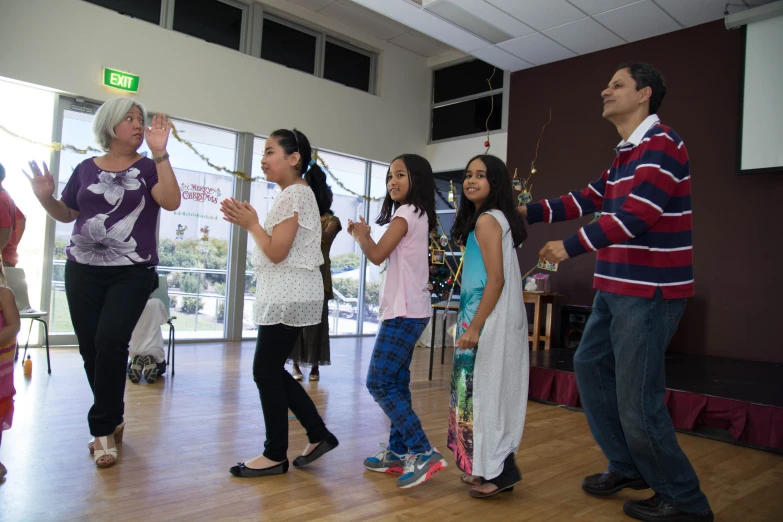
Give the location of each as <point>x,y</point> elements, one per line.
<point>289,296</point>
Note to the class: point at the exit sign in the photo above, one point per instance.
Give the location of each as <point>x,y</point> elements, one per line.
<point>120,80</point>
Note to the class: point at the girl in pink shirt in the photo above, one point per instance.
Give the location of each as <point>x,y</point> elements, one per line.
<point>409,210</point>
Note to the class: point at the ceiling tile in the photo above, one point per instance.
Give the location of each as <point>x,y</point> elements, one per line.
<point>427,23</point>
<point>592,7</point>
<point>499,58</point>
<point>369,23</point>
<point>584,36</point>
<point>536,49</point>
<point>467,20</point>
<point>493,15</point>
<point>540,14</point>
<point>694,12</point>
<point>315,5</point>
<point>638,21</point>
<point>419,44</point>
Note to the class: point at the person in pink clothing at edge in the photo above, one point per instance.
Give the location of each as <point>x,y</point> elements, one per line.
<point>9,328</point>
<point>12,224</point>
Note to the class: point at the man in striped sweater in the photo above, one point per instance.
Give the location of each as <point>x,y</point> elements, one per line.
<point>643,274</point>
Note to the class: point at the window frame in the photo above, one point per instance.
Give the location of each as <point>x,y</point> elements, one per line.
<point>251,36</point>
<point>168,7</point>
<point>65,102</point>
<point>502,90</point>
<point>359,50</point>
<point>322,37</point>
<point>319,43</point>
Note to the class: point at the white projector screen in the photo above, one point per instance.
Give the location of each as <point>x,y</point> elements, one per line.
<point>762,101</point>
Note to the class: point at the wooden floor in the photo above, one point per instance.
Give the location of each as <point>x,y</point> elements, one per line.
<point>183,434</point>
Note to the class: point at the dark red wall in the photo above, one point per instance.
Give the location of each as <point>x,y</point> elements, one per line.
<point>737,220</point>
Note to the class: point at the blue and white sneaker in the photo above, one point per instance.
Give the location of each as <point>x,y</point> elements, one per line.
<point>420,468</point>
<point>386,461</point>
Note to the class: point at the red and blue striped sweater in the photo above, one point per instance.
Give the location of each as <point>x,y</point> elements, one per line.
<point>644,234</point>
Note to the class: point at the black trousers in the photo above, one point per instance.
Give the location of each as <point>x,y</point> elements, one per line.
<point>106,302</point>
<point>279,391</point>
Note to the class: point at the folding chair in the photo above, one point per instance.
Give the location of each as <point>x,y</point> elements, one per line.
<point>162,293</point>
<point>15,279</point>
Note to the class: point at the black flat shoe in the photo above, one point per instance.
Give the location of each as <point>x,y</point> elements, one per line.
<point>655,509</point>
<point>504,482</point>
<point>240,470</point>
<point>609,483</point>
<point>326,445</point>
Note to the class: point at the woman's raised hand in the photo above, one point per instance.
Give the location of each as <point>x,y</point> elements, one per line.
<point>41,183</point>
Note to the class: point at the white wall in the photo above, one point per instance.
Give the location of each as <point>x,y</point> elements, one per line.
<point>64,44</point>
<point>452,155</point>
<point>762,110</point>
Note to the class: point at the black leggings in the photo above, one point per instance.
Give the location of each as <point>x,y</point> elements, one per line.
<point>279,391</point>
<point>106,302</point>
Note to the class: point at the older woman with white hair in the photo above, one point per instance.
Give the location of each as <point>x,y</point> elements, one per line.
<point>110,271</point>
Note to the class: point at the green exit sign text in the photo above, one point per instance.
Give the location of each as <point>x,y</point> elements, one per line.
<point>120,80</point>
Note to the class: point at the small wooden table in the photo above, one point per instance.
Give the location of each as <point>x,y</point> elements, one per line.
<point>537,299</point>
<point>442,308</point>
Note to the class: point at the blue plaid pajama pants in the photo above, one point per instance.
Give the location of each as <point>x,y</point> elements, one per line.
<point>389,378</point>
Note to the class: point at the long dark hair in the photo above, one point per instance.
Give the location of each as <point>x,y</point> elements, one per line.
<point>421,193</point>
<point>500,197</point>
<point>295,141</point>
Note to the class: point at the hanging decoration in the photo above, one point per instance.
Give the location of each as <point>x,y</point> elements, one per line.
<point>339,183</point>
<point>526,194</point>
<point>445,199</point>
<point>58,147</point>
<point>239,174</point>
<point>444,278</point>
<point>491,109</point>
<point>55,146</point>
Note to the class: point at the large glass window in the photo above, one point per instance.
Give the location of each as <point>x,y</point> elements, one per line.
<point>372,281</point>
<point>345,253</point>
<point>194,243</point>
<point>193,240</point>
<point>76,129</point>
<point>262,195</point>
<point>26,111</point>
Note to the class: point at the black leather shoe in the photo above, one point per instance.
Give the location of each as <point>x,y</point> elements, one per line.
<point>240,470</point>
<point>328,444</point>
<point>655,509</point>
<point>609,483</point>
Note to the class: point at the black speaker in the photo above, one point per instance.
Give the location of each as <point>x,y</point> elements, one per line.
<point>572,325</point>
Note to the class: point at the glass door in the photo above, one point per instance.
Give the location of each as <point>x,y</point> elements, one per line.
<point>193,241</point>
<point>75,127</point>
